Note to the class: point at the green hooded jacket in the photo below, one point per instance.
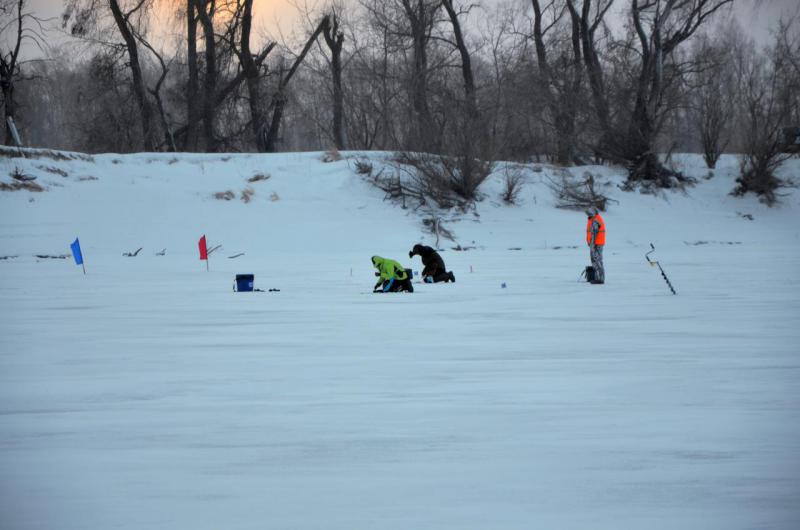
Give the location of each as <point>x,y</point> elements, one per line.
<point>389,269</point>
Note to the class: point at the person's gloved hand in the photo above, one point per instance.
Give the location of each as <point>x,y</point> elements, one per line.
<point>377,274</point>
<point>410,253</point>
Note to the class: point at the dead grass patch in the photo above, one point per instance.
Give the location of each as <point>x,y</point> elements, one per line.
<point>53,170</point>
<point>247,194</point>
<point>331,155</point>
<point>225,195</point>
<point>13,152</point>
<point>17,186</point>
<point>259,177</point>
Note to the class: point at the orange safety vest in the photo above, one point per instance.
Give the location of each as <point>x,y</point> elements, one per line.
<point>601,234</point>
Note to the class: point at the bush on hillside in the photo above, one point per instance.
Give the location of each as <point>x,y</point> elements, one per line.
<point>513,179</point>
<point>574,194</point>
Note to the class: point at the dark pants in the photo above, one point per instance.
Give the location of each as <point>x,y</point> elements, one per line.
<point>396,286</point>
<point>441,277</point>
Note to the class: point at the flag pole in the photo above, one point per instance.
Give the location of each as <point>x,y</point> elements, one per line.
<point>84,268</point>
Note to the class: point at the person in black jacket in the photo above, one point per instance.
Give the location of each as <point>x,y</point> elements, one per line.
<point>434,270</point>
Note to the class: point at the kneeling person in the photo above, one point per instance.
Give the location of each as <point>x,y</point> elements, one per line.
<point>393,276</point>
<point>434,271</point>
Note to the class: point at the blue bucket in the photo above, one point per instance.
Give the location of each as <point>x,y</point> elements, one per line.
<point>244,282</point>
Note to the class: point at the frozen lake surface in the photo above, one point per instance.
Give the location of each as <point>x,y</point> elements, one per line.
<point>148,395</point>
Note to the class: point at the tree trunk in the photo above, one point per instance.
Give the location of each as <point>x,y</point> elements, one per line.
<point>594,70</point>
<point>279,99</point>
<point>562,87</point>
<point>9,109</point>
<point>210,81</point>
<point>136,72</point>
<point>335,40</point>
<point>466,62</point>
<point>422,139</point>
<point>192,118</point>
<point>250,68</point>
<point>420,19</point>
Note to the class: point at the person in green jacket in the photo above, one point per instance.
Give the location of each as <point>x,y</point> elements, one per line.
<point>393,277</point>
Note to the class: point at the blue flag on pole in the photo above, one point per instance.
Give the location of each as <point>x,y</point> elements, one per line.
<point>76,252</point>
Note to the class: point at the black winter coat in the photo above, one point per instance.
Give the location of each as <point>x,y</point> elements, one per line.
<point>434,265</point>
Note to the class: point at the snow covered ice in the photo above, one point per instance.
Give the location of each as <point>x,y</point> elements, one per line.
<point>147,395</point>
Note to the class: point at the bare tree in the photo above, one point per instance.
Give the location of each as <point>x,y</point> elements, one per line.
<point>334,38</point>
<point>279,98</point>
<point>22,26</point>
<point>712,99</point>
<point>88,18</point>
<point>563,80</point>
<point>155,91</point>
<point>421,19</point>
<point>251,66</point>
<point>466,60</point>
<point>373,92</point>
<point>660,26</point>
<point>412,22</point>
<point>206,10</point>
<point>191,131</point>
<point>768,90</point>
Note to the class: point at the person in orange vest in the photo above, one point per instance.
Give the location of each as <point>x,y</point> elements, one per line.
<point>596,239</point>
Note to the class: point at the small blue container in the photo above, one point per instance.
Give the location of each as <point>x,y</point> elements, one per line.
<point>244,283</point>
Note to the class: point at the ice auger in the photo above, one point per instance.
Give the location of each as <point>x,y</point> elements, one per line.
<point>654,263</point>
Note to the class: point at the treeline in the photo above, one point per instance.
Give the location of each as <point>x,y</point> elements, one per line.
<point>570,81</point>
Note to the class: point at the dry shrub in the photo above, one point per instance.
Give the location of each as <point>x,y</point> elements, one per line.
<point>86,178</point>
<point>274,197</point>
<point>364,167</point>
<point>28,152</point>
<point>513,179</point>
<point>447,180</point>
<point>53,170</point>
<point>574,194</point>
<point>331,155</point>
<point>17,186</point>
<point>258,177</point>
<point>225,195</point>
<point>247,194</point>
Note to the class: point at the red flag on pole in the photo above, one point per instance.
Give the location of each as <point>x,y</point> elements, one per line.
<point>203,248</point>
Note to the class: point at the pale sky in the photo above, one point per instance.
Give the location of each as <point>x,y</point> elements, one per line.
<point>756,17</point>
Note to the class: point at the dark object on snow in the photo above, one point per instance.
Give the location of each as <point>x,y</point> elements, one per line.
<point>48,256</point>
<point>434,270</point>
<point>589,274</point>
<point>244,283</point>
<point>663,274</point>
<point>132,254</point>
<point>236,255</point>
<point>162,253</point>
<point>20,176</point>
